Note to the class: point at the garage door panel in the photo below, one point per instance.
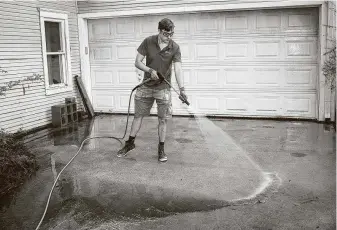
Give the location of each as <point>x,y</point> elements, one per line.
<point>206,23</point>
<point>102,78</point>
<point>267,49</point>
<point>267,104</point>
<point>267,21</point>
<point>207,50</point>
<point>300,105</point>
<point>124,27</point>
<point>207,78</point>
<point>100,53</point>
<point>126,77</point>
<point>236,50</point>
<point>104,101</point>
<point>235,22</point>
<point>109,29</point>
<point>297,104</point>
<point>237,77</point>
<point>126,52</point>
<point>113,78</point>
<point>113,52</point>
<point>301,48</point>
<point>100,29</point>
<point>301,19</point>
<point>236,104</point>
<point>301,77</point>
<point>113,101</point>
<point>208,103</point>
<point>267,77</point>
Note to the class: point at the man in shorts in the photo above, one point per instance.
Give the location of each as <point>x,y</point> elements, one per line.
<point>160,52</point>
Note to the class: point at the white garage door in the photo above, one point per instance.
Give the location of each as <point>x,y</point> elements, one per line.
<point>247,63</point>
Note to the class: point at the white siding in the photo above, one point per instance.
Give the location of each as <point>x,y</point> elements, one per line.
<point>21,55</point>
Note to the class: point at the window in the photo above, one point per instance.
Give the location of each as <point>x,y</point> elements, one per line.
<point>56,52</point>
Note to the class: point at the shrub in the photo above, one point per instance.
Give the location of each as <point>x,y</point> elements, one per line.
<point>17,163</point>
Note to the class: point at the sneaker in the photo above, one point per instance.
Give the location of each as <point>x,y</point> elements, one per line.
<point>127,148</point>
<point>161,154</point>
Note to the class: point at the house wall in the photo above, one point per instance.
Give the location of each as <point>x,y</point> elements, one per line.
<point>21,55</point>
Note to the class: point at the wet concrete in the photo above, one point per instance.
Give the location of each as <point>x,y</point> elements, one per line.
<point>264,175</point>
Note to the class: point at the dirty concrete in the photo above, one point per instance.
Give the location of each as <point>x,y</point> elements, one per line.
<point>263,175</point>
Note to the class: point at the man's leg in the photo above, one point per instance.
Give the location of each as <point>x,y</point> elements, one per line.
<point>162,129</point>
<point>143,105</point>
<point>135,127</point>
<point>164,112</point>
<point>130,144</point>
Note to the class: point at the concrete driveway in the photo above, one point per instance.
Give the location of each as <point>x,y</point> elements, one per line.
<point>220,174</point>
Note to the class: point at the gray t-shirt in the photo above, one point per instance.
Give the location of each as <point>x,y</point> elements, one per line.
<point>159,60</point>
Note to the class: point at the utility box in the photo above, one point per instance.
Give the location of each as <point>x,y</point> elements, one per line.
<point>64,114</point>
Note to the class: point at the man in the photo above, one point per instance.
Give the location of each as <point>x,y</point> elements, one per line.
<point>160,52</point>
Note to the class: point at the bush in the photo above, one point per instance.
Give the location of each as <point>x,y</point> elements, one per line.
<point>17,163</point>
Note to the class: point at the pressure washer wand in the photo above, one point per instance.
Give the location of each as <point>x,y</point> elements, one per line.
<point>183,99</point>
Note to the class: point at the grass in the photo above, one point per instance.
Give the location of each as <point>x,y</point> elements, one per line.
<point>17,163</point>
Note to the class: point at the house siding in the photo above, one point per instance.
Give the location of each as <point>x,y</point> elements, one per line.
<point>21,56</point>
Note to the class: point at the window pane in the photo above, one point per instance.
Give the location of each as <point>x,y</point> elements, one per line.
<point>53,37</point>
<point>55,69</point>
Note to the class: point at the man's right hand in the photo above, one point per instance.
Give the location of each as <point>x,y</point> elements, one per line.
<point>154,75</point>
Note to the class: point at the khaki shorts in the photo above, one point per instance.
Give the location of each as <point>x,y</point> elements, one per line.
<point>144,100</point>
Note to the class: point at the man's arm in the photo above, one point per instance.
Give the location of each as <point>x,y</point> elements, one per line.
<point>140,65</point>
<point>178,73</point>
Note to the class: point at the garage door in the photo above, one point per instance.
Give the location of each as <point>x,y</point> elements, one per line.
<point>247,63</point>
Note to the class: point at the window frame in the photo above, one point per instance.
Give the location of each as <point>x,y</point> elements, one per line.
<point>67,84</point>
